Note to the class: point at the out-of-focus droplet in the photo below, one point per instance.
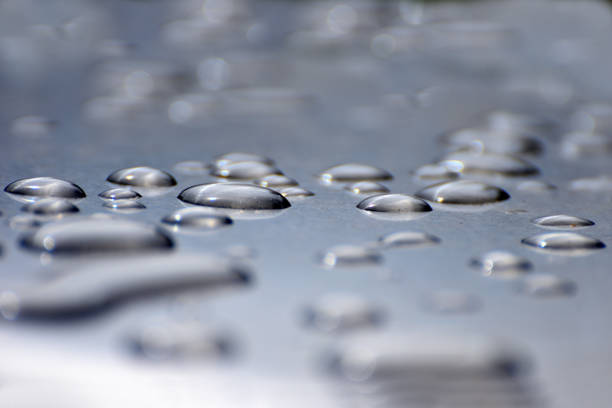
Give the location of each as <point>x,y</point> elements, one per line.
<point>266,101</point>
<point>501,264</point>
<point>451,301</point>
<point>429,172</point>
<point>546,286</point>
<point>50,206</point>
<point>535,186</point>
<point>597,184</point>
<point>489,163</point>
<point>585,144</point>
<point>125,206</point>
<point>119,194</point>
<point>350,256</point>
<point>245,170</point>
<point>275,180</point>
<point>24,222</point>
<point>407,239</point>
<point>463,192</point>
<point>191,168</point>
<point>31,189</point>
<point>234,196</point>
<point>194,108</point>
<point>196,218</point>
<point>142,176</point>
<point>295,192</point>
<point>32,126</point>
<point>487,140</point>
<point>354,172</point>
<point>366,188</point>
<point>564,243</point>
<point>234,157</point>
<point>342,312</point>
<point>562,221</point>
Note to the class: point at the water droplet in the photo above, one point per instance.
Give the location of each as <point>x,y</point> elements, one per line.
<point>595,117</point>
<point>247,170</point>
<point>275,180</point>
<point>24,222</point>
<point>354,172</point>
<point>234,196</point>
<point>142,176</point>
<point>451,301</point>
<point>342,312</point>
<point>50,206</point>
<point>295,192</point>
<point>501,264</point>
<point>489,163</point>
<point>32,126</point>
<point>567,243</point>
<point>393,203</point>
<point>124,205</point>
<point>407,239</point>
<point>90,235</point>
<point>545,285</point>
<point>597,184</point>
<point>435,172</point>
<point>119,194</point>
<point>96,286</point>
<point>493,141</point>
<point>585,144</point>
<point>562,221</point>
<point>32,188</point>
<point>191,168</point>
<point>234,157</point>
<point>350,255</point>
<point>465,192</point>
<point>196,218</point>
<point>535,186</point>
<point>366,188</point>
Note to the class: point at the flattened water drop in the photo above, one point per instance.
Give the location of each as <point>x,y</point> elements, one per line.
<point>142,176</point>
<point>546,285</point>
<point>94,235</point>
<point>276,180</point>
<point>234,157</point>
<point>32,188</point>
<point>393,203</point>
<point>350,255</point>
<point>565,243</point>
<point>247,170</point>
<point>464,192</point>
<point>50,206</point>
<point>489,163</point>
<point>354,172</point>
<point>501,264</point>
<point>197,218</point>
<point>407,239</point>
<point>295,192</point>
<point>124,205</point>
<point>96,286</point>
<point>234,196</point>
<point>366,188</point>
<point>562,221</point>
<point>119,194</point>
<point>342,312</point>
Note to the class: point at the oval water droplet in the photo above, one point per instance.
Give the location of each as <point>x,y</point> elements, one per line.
<point>566,243</point>
<point>234,196</point>
<point>435,172</point>
<point>464,192</point>
<point>295,192</point>
<point>32,188</point>
<point>119,194</point>
<point>342,312</point>
<point>451,301</point>
<point>247,170</point>
<point>142,176</point>
<point>191,168</point>
<point>489,164</point>
<point>196,218</point>
<point>350,255</point>
<point>562,221</point>
<point>50,206</point>
<point>501,264</point>
<point>407,239</point>
<point>92,235</point>
<point>354,172</point>
<point>366,188</point>
<point>275,181</point>
<point>234,157</point>
<point>597,184</point>
<point>394,204</point>
<point>546,285</point>
<point>126,206</point>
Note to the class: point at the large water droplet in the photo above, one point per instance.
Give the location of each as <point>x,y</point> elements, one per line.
<point>275,181</point>
<point>466,192</point>
<point>119,194</point>
<point>142,176</point>
<point>501,264</point>
<point>350,255</point>
<point>366,188</point>
<point>96,286</point>
<point>407,239</point>
<point>234,157</point>
<point>546,285</point>
<point>563,242</point>
<point>196,218</point>
<point>33,188</point>
<point>124,205</point>
<point>342,312</point>
<point>91,235</point>
<point>50,206</point>
<point>354,172</point>
<point>393,203</point>
<point>247,170</point>
<point>489,163</point>
<point>295,192</point>
<point>562,221</point>
<point>234,196</point>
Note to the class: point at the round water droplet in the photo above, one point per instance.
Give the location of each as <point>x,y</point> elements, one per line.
<point>545,285</point>
<point>465,192</point>
<point>32,126</point>
<point>569,243</point>
<point>435,172</point>
<point>234,196</point>
<point>275,180</point>
<point>50,206</point>
<point>501,264</point>
<point>295,192</point>
<point>91,235</point>
<point>342,312</point>
<point>489,163</point>
<point>366,188</point>
<point>492,141</point>
<point>191,168</point>
<point>597,184</point>
<point>407,239</point>
<point>196,218</point>
<point>451,301</point>
<point>247,170</point>
<point>32,188</point>
<point>354,172</point>
<point>350,255</point>
<point>234,157</point>
<point>142,176</point>
<point>535,186</point>
<point>124,205</point>
<point>119,194</point>
<point>562,221</point>
<point>393,203</point>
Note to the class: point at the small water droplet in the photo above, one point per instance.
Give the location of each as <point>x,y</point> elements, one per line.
<point>32,188</point>
<point>562,221</point>
<point>342,312</point>
<point>501,264</point>
<point>566,243</point>
<point>354,172</point>
<point>350,255</point>
<point>32,126</point>
<point>407,239</point>
<point>119,194</point>
<point>464,192</point>
<point>295,192</point>
<point>366,188</point>
<point>435,172</point>
<point>234,157</point>
<point>597,184</point>
<point>393,203</point>
<point>191,168</point>
<point>234,196</point>
<point>196,218</point>
<point>535,186</point>
<point>546,285</point>
<point>247,170</point>
<point>451,301</point>
<point>126,206</point>
<point>142,176</point>
<point>91,235</point>
<point>50,206</point>
<point>489,163</point>
<point>275,180</point>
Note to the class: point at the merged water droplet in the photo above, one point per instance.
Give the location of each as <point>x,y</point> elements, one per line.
<point>119,194</point>
<point>276,180</point>
<point>567,243</point>
<point>354,172</point>
<point>546,285</point>
<point>96,286</point>
<point>342,312</point>
<point>295,192</point>
<point>234,196</point>
<point>32,188</point>
<point>393,203</point>
<point>464,192</point>
<point>196,218</point>
<point>246,170</point>
<point>562,221</point>
<point>142,176</point>
<point>366,188</point>
<point>407,239</point>
<point>50,206</point>
<point>350,255</point>
<point>93,235</point>
<point>124,205</point>
<point>451,301</point>
<point>501,264</point>
<point>489,163</point>
<point>234,157</point>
